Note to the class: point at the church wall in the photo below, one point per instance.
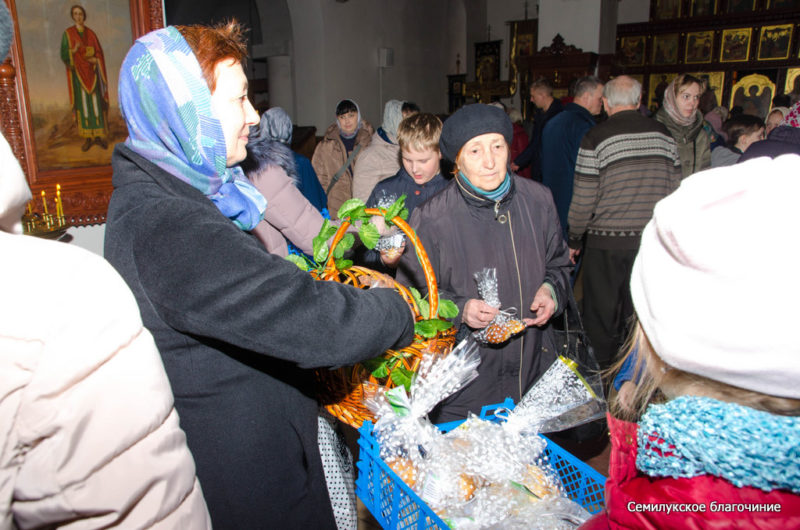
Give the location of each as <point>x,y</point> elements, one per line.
<point>336,56</point>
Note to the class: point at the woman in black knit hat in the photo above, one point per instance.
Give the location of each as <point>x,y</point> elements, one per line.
<point>488,217</point>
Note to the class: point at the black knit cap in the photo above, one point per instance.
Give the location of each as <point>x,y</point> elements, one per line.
<point>470,121</point>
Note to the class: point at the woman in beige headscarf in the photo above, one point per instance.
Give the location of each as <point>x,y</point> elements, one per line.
<point>681,116</point>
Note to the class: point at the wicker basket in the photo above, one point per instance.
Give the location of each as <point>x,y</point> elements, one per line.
<point>342,390</point>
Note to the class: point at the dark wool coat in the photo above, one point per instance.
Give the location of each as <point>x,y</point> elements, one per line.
<point>532,155</point>
<point>782,140</point>
<point>520,237</point>
<point>561,140</point>
<point>238,329</point>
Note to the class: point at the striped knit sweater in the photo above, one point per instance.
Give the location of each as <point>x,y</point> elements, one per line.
<point>625,166</point>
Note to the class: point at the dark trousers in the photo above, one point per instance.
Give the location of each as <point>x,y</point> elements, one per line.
<point>607,305</point>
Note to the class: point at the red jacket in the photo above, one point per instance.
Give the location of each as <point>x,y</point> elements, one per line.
<point>519,142</point>
<point>628,490</point>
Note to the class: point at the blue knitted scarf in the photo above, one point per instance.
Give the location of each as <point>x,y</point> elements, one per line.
<point>494,195</point>
<point>691,436</point>
<point>166,104</point>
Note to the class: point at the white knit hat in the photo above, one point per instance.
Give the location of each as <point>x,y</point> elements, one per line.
<point>715,283</point>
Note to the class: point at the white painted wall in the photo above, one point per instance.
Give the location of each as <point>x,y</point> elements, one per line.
<point>336,56</point>
<point>586,24</point>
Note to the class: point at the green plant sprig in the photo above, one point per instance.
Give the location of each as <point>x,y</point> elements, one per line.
<point>354,210</point>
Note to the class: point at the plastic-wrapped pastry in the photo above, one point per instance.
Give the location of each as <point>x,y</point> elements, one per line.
<point>504,325</point>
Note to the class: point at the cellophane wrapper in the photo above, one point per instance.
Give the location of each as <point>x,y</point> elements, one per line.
<point>392,242</point>
<point>493,475</point>
<point>504,324</point>
<point>562,398</point>
<point>402,429</point>
<point>487,286</point>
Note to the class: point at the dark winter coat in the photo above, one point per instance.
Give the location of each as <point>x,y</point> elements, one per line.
<point>561,140</point>
<point>519,236</point>
<point>782,140</point>
<point>238,330</point>
<point>694,145</point>
<point>532,155</point>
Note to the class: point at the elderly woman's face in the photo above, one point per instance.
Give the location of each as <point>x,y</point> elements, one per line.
<point>483,160</point>
<point>234,111</point>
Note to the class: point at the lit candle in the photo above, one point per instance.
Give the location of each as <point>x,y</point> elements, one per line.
<point>44,202</point>
<point>30,210</point>
<point>59,206</point>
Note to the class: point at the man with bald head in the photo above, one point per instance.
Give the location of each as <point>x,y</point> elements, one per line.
<point>625,165</point>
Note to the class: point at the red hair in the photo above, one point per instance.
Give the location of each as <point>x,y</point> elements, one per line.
<point>212,44</point>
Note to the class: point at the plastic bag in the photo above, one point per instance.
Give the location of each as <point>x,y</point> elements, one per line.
<point>560,399</point>
<point>505,324</point>
<point>393,242</point>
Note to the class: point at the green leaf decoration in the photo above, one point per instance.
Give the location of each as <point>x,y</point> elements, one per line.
<point>404,214</point>
<point>347,209</point>
<point>380,372</point>
<point>300,261</point>
<point>342,264</point>
<point>327,230</point>
<point>347,242</point>
<point>320,246</point>
<point>369,234</point>
<point>424,308</point>
<point>376,366</point>
<point>401,376</point>
<point>447,309</point>
<point>426,328</point>
<point>344,245</point>
<point>395,208</point>
<point>415,294</point>
<point>441,325</point>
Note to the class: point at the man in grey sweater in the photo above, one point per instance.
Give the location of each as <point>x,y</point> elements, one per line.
<point>625,165</point>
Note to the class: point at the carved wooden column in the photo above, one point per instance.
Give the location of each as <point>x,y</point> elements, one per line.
<point>10,112</point>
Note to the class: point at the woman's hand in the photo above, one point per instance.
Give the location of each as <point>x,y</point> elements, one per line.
<point>478,314</point>
<point>543,305</point>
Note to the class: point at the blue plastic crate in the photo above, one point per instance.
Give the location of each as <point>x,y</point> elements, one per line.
<point>395,505</point>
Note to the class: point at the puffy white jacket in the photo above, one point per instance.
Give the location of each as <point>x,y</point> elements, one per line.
<point>89,437</point>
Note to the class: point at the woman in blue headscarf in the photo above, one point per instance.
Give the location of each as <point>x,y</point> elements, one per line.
<point>238,328</point>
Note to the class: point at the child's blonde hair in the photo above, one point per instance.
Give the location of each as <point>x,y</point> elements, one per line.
<point>419,132</point>
<point>658,382</point>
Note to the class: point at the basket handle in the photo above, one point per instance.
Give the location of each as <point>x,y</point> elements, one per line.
<point>425,262</point>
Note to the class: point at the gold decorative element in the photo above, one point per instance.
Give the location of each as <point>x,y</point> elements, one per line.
<point>46,224</point>
<point>735,45</point>
<point>773,44</point>
<point>754,94</point>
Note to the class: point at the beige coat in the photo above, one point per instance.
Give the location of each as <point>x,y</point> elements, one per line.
<point>380,160</point>
<point>330,155</point>
<point>288,215</point>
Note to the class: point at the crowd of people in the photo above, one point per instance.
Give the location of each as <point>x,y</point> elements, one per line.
<point>209,199</point>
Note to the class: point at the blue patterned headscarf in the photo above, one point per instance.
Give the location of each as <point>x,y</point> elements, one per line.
<point>166,104</point>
